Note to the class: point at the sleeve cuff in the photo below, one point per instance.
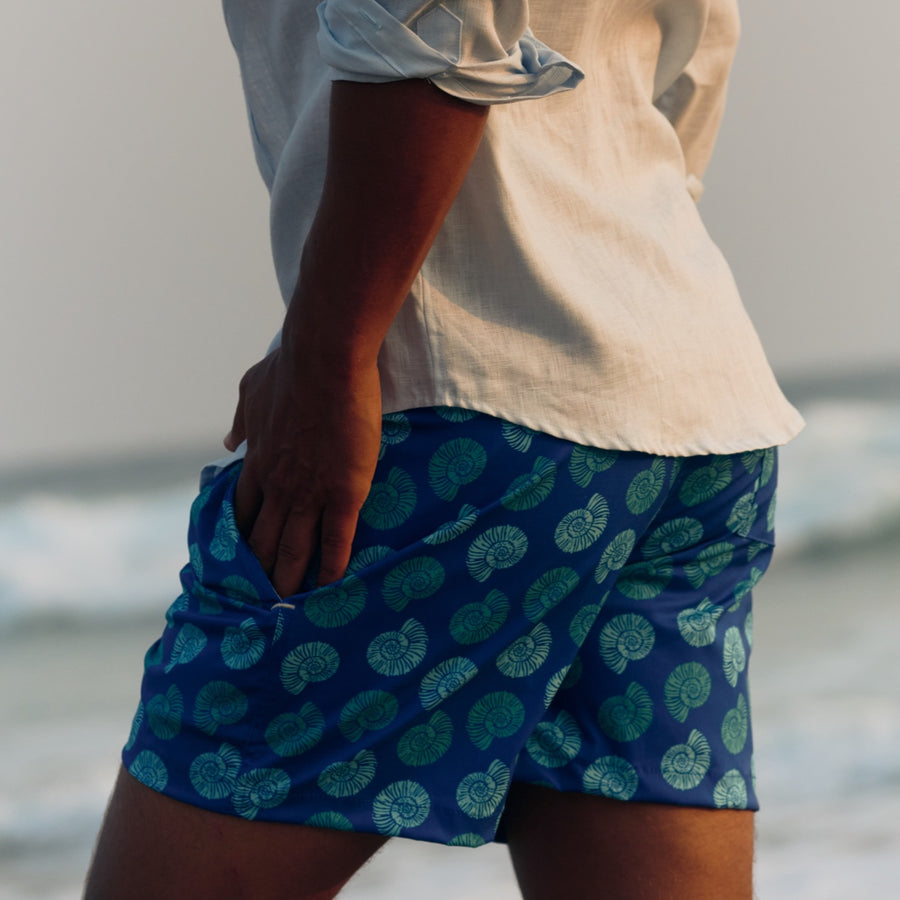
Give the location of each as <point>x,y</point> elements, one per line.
<point>364,41</point>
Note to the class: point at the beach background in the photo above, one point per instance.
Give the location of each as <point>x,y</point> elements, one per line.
<point>136,288</point>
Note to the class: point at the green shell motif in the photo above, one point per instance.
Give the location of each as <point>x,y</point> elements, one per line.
<point>736,726</point>
<point>582,528</point>
<point>554,685</point>
<point>704,483</point>
<point>402,804</point>
<point>497,548</point>
<point>240,589</point>
<point>625,638</point>
<point>547,591</point>
<point>754,548</point>
<point>476,622</point>
<point>469,839</point>
<point>770,512</point>
<point>454,464</point>
<point>586,462</point>
<point>449,531</point>
<point>531,489</point>
<point>208,604</point>
<point>150,770</point>
<point>189,643</point>
<point>748,628</point>
<point>743,514</point>
<point>645,580</point>
<point>196,557</point>
<point>734,657</point>
<point>615,555</point>
<point>164,712</point>
<point>687,687</point>
<point>645,487</point>
<point>744,587</point>
<point>518,436</point>
<point>223,545</point>
<point>751,459</point>
<point>456,413</point>
<point>424,744</point>
<point>315,661</point>
<point>573,676</point>
<point>672,536</point>
<point>611,776</point>
<point>554,744</point>
<point>260,789</point>
<point>496,715</point>
<point>391,502</point>
<point>582,622</point>
<point>293,733</point>
<point>395,429</point>
<point>368,556</point>
<point>684,766</point>
<point>398,652</point>
<point>730,791</point>
<point>525,655</point>
<point>199,502</point>
<point>367,711</point>
<point>243,647</point>
<point>446,678</point>
<point>413,579</point>
<point>336,605</point>
<point>768,466</point>
<point>697,624</point>
<point>480,794</point>
<point>334,821</point>
<point>627,716</point>
<point>344,779</point>
<point>711,560</point>
<point>136,723</point>
<point>677,462</point>
<point>214,775</point>
<point>219,703</point>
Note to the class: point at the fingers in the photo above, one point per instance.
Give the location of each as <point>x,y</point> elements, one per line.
<point>293,546</point>
<point>336,541</point>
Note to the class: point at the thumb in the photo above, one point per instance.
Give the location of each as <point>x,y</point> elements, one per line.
<point>238,432</point>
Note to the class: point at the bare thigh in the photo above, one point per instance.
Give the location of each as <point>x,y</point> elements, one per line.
<point>154,848</point>
<point>579,846</point>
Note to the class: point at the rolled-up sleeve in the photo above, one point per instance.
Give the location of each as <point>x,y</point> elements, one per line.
<point>479,50</point>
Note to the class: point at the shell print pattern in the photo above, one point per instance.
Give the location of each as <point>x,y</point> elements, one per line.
<point>189,643</point>
<point>344,779</point>
<point>497,548</point>
<point>687,687</point>
<point>748,628</point>
<point>449,531</point>
<point>743,515</point>
<point>626,638</point>
<point>402,804</point>
<point>223,546</point>
<point>444,679</point>
<point>672,536</point>
<point>518,436</point>
<point>531,489</point>
<point>684,766</point>
<point>366,557</point>
<point>395,653</point>
<point>260,789</point>
<point>730,791</point>
<point>469,839</point>
<point>424,744</point>
<point>627,717</point>
<point>239,590</point>
<point>367,711</point>
<point>476,622</point>
<point>554,744</point>
<point>710,561</point>
<point>195,554</point>
<point>219,703</point>
<point>646,487</point>
<point>525,655</point>
<point>293,733</point>
<point>164,713</point>
<point>734,656</point>
<point>480,794</point>
<point>645,580</point>
<point>736,726</point>
<point>456,414</point>
<point>244,646</point>
<point>548,591</point>
<point>615,555</point>
<point>742,588</point>
<point>136,723</point>
<point>391,502</point>
<point>496,715</point>
<point>149,769</point>
<point>329,819</point>
<point>697,624</point>
<point>582,528</point>
<point>315,661</point>
<point>395,429</point>
<point>214,775</point>
<point>335,605</point>
<point>413,579</point>
<point>704,483</point>
<point>586,462</point>
<point>611,776</point>
<point>454,464</point>
<point>582,622</point>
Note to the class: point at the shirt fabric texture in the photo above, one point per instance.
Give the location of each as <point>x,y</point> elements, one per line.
<point>573,287</point>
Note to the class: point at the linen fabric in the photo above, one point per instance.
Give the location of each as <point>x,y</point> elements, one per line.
<point>517,608</point>
<point>573,287</point>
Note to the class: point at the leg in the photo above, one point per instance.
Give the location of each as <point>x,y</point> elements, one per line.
<point>580,846</point>
<point>151,846</point>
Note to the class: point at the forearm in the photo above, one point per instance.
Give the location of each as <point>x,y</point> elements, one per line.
<point>398,154</point>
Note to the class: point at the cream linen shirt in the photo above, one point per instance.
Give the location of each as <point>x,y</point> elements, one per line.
<point>573,287</point>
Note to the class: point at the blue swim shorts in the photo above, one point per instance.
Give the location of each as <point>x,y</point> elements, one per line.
<point>517,608</point>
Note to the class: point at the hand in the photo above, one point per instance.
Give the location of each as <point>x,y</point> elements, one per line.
<point>313,436</point>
